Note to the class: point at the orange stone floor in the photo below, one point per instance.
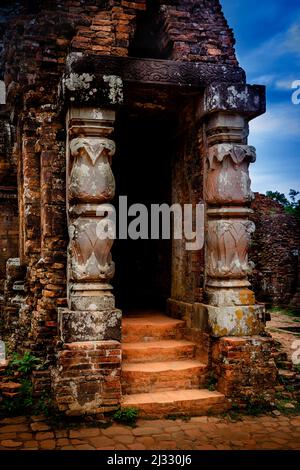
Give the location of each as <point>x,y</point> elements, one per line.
<point>203,433</point>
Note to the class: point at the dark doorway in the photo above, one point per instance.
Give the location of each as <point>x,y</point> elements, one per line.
<point>142,168</point>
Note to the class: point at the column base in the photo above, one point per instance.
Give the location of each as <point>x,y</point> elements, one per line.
<point>241,320</point>
<point>87,379</point>
<point>99,325</point>
<point>91,296</point>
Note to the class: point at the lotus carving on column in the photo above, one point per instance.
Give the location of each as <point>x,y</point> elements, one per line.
<point>227,248</point>
<point>228,178</point>
<point>91,177</point>
<point>91,258</point>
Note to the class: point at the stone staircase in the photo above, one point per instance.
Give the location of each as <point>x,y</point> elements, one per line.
<point>161,374</point>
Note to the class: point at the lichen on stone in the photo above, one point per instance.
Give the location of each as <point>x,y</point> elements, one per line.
<point>115,88</point>
<point>77,81</point>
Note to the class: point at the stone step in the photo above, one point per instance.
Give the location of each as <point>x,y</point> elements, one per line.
<point>177,403</point>
<point>163,350</point>
<point>150,327</point>
<point>167,375</point>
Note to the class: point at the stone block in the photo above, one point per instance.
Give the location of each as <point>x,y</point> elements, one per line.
<point>89,325</point>
<point>248,100</point>
<point>242,320</point>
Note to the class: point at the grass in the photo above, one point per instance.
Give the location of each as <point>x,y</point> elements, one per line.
<point>290,312</point>
<point>126,416</point>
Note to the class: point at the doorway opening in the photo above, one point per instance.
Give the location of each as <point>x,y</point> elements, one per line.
<point>142,169</point>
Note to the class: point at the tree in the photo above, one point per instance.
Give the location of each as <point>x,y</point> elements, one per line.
<point>279,197</point>
<point>291,206</point>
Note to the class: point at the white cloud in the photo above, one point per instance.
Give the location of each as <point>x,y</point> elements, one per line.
<point>264,79</point>
<point>282,119</point>
<point>281,82</point>
<point>284,83</point>
<point>291,41</point>
<point>281,44</point>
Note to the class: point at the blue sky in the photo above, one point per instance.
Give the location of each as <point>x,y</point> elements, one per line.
<point>268,48</point>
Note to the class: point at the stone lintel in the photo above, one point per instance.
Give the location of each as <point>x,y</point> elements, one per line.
<point>93,80</point>
<point>154,71</point>
<point>234,98</point>
<point>78,326</point>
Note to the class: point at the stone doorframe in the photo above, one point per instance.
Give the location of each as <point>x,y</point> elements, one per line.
<point>87,376</point>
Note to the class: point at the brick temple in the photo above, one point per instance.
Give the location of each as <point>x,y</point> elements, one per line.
<point>144,99</point>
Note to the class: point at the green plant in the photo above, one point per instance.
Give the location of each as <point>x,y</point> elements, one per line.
<point>44,405</point>
<point>20,404</point>
<point>281,406</point>
<point>25,364</point>
<point>256,406</point>
<point>211,382</point>
<point>126,416</point>
<point>20,368</point>
<point>292,205</point>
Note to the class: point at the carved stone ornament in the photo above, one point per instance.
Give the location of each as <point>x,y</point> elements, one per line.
<point>228,178</point>
<point>91,258</point>
<point>91,177</point>
<point>227,248</point>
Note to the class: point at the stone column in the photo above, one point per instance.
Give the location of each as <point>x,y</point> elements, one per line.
<point>90,189</point>
<point>87,379</point>
<point>230,305</point>
<point>241,358</point>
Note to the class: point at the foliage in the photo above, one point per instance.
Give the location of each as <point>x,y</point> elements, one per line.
<point>256,406</point>
<point>19,404</point>
<point>126,416</point>
<point>211,382</point>
<point>20,368</point>
<point>281,406</point>
<point>292,205</point>
<point>45,405</point>
<point>289,311</point>
<point>24,364</point>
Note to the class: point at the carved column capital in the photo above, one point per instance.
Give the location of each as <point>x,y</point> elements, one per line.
<point>227,173</point>
<point>91,178</point>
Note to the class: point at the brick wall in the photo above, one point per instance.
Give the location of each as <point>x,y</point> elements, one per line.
<point>245,369</point>
<point>8,198</point>
<point>187,188</point>
<point>8,234</point>
<point>88,377</point>
<point>274,251</point>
